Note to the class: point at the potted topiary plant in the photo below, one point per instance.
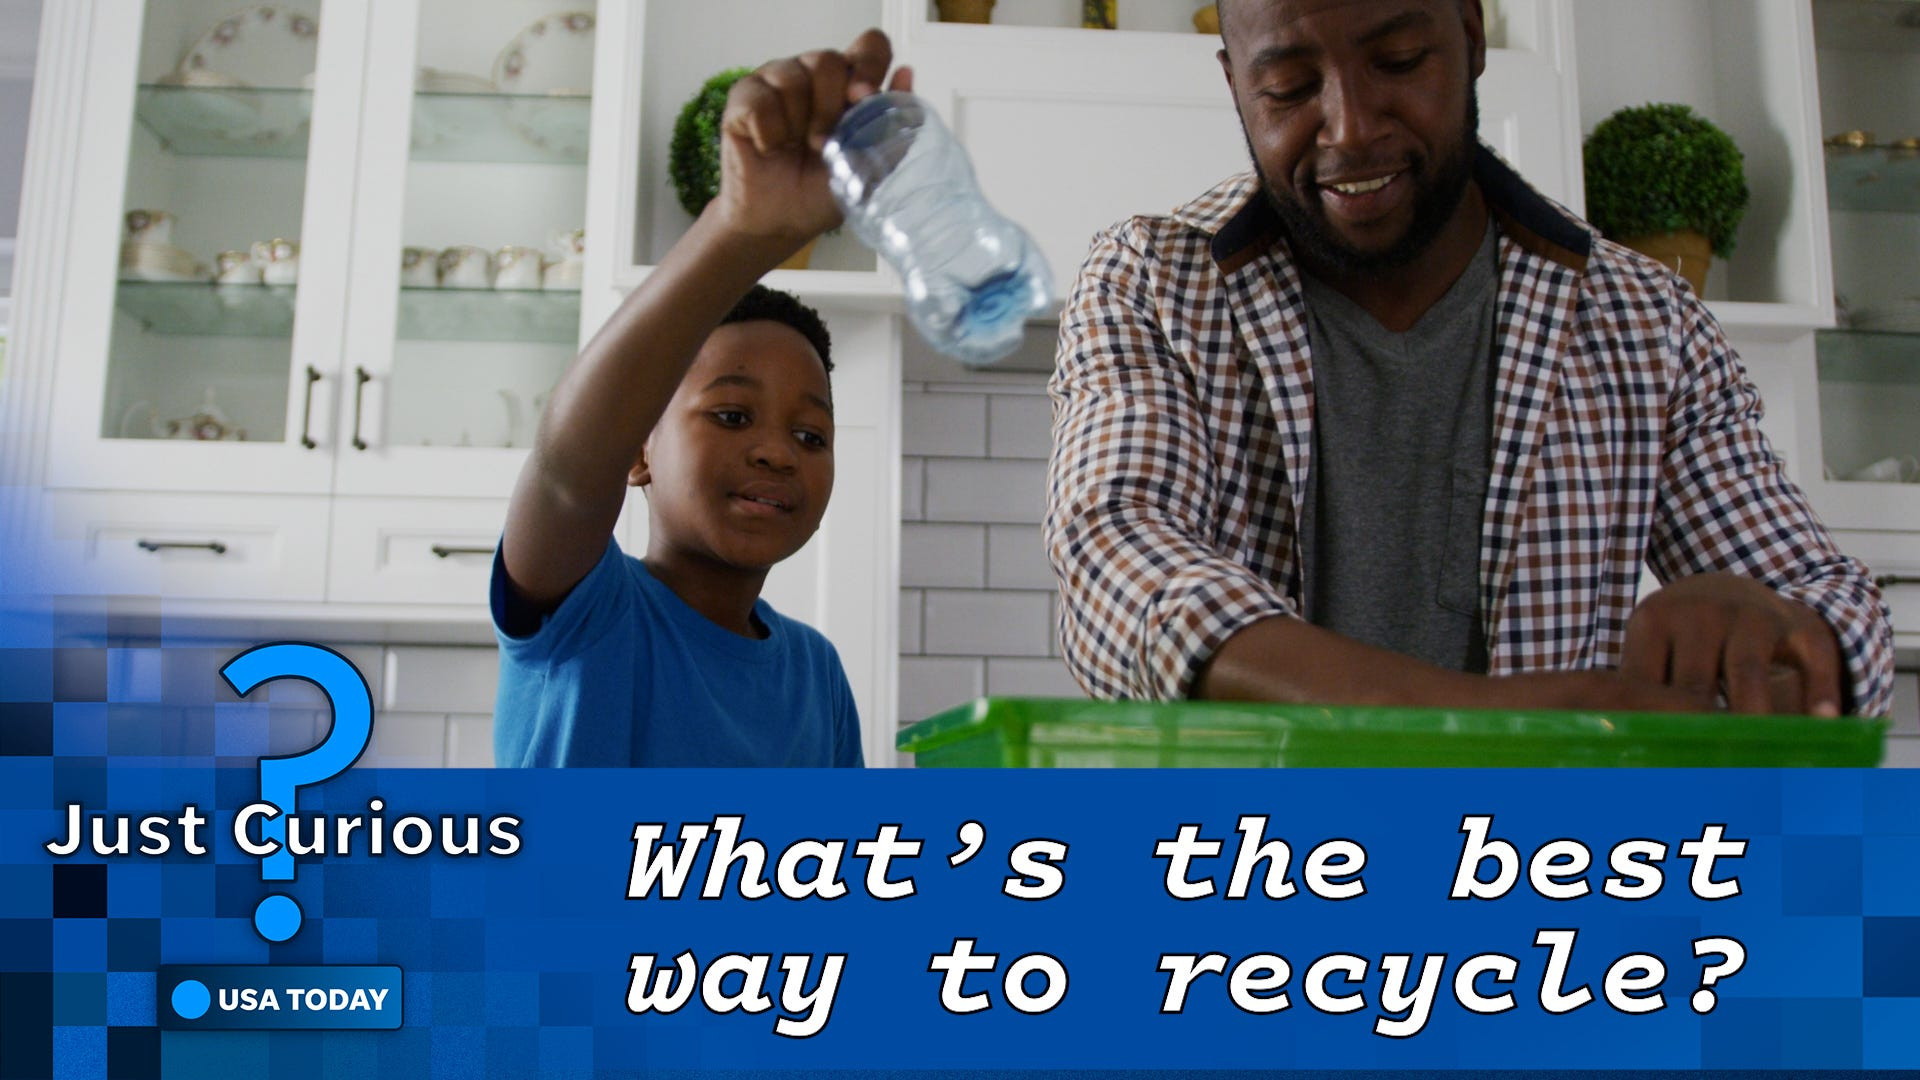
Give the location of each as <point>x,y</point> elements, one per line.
<point>693,162</point>
<point>1667,183</point>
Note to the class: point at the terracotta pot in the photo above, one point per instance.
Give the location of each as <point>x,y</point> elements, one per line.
<point>1686,253</point>
<point>1206,20</point>
<point>798,260</point>
<point>965,11</point>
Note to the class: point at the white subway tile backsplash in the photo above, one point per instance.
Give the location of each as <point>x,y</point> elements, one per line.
<point>1903,752</point>
<point>912,603</point>
<point>1019,426</point>
<point>408,740</point>
<point>1010,492</point>
<point>445,679</point>
<point>929,685</point>
<point>913,489</point>
<point>1017,558</point>
<point>943,556</point>
<point>986,623</point>
<point>1906,704</point>
<point>470,742</point>
<point>1030,678</point>
<point>943,425</point>
<point>1053,627</point>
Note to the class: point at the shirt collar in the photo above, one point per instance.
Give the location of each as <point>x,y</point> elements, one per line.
<point>1243,225</point>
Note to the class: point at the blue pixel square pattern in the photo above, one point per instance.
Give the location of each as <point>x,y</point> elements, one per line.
<point>1890,880</point>
<point>1820,875</point>
<point>1890,957</point>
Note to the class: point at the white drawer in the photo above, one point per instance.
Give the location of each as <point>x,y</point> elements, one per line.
<point>414,551</point>
<point>222,547</point>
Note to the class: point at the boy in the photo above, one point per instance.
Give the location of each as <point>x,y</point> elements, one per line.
<point>711,394</point>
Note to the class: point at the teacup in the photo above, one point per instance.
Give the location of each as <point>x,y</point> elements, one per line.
<point>517,267</point>
<point>1889,470</point>
<point>278,260</point>
<point>565,271</point>
<point>150,226</point>
<point>570,245</point>
<point>419,267</point>
<point>466,267</point>
<point>235,268</point>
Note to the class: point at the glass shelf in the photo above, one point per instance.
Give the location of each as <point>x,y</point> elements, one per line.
<point>1877,178</point>
<point>508,128</point>
<point>203,310</point>
<point>199,309</point>
<point>1882,358</point>
<point>272,123</point>
<point>227,121</point>
<point>552,317</point>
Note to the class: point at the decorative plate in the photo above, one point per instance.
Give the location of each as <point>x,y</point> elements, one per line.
<point>265,45</point>
<point>553,55</point>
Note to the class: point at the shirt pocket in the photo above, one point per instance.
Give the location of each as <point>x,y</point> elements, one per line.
<point>1459,590</point>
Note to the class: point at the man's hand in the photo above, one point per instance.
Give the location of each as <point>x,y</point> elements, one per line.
<point>773,184</point>
<point>1727,632</point>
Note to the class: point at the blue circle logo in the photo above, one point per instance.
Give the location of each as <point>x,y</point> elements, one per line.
<point>191,999</point>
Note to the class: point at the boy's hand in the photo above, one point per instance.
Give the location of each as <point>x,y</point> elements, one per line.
<point>773,184</point>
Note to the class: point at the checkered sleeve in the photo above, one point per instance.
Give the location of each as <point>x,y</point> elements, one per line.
<point>1726,505</point>
<point>1131,502</point>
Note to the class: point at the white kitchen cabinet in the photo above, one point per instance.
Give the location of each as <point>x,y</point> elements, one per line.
<point>1816,295</point>
<point>375,426</point>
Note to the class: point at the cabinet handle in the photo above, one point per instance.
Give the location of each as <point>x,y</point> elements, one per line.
<point>360,381</point>
<point>443,550</point>
<point>1888,580</point>
<point>306,411</point>
<point>214,546</point>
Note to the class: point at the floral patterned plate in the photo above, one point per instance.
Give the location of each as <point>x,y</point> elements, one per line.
<point>267,45</point>
<point>552,56</point>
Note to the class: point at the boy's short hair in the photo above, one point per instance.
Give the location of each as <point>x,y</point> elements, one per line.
<point>786,309</point>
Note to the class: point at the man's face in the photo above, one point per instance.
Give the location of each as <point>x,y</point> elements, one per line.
<point>739,469</point>
<point>1360,116</point>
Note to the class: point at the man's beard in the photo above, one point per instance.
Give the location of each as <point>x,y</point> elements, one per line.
<point>1439,186</point>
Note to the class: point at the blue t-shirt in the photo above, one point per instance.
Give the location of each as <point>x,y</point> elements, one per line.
<point>624,673</point>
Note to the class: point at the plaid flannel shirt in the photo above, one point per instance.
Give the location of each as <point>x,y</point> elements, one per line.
<point>1624,431</point>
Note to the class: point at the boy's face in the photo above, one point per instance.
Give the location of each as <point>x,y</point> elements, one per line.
<point>740,466</point>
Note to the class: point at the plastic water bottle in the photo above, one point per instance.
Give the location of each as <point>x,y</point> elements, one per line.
<point>972,277</point>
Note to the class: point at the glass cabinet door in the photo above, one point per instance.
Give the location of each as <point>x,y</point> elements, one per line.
<point>470,240</point>
<point>1869,367</point>
<point>220,140</point>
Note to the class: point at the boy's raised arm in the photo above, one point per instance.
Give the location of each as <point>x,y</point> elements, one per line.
<point>773,198</point>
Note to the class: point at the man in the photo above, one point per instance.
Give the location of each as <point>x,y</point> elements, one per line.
<point>1377,421</point>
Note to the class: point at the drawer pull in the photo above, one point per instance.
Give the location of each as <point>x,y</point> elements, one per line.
<point>214,546</point>
<point>360,381</point>
<point>443,550</point>
<point>306,411</point>
<point>1889,580</point>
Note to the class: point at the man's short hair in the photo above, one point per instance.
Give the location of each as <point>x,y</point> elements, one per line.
<point>773,305</point>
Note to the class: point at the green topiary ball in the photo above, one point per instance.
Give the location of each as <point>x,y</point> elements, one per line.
<point>1660,168</point>
<point>694,157</point>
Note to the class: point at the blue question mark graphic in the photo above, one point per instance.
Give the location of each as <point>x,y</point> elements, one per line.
<point>278,917</point>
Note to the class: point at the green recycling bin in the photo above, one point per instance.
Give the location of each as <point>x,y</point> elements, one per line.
<point>1071,734</point>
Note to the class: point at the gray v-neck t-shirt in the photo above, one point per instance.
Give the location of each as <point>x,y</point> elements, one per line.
<point>1390,530</point>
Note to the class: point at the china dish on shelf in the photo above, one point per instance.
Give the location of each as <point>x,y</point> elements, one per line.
<point>262,46</point>
<point>552,56</point>
<point>140,261</point>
